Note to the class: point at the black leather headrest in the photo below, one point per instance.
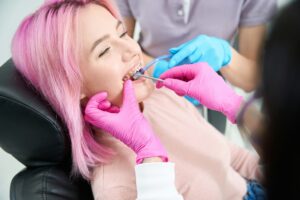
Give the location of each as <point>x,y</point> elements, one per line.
<point>29,129</point>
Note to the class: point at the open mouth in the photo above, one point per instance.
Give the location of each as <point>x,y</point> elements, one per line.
<point>132,71</point>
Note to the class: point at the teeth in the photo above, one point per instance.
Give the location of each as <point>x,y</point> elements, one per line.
<point>132,72</point>
<point>135,70</point>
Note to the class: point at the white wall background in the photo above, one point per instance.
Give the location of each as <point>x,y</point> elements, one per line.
<point>11,14</point>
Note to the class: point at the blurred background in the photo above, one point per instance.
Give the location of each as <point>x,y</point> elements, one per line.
<point>11,14</point>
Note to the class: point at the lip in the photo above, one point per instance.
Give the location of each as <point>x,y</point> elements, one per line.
<point>129,73</point>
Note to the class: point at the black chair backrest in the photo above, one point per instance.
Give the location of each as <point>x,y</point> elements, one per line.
<point>29,129</point>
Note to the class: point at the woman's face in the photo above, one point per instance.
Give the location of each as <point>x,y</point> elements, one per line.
<point>108,56</point>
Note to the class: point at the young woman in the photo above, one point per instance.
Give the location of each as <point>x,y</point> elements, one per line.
<point>73,50</point>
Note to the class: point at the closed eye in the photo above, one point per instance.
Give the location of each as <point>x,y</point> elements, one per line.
<point>107,49</point>
<point>123,34</point>
<point>104,52</point>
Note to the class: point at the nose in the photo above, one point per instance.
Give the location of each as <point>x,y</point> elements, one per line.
<point>129,49</point>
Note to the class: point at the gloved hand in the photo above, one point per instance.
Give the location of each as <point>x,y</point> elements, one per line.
<point>126,124</point>
<point>160,67</point>
<point>163,66</point>
<point>200,81</point>
<point>216,52</point>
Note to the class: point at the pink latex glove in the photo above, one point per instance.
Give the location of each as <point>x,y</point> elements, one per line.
<point>126,124</point>
<point>201,82</point>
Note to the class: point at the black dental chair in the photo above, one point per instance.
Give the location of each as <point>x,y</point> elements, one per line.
<point>32,133</point>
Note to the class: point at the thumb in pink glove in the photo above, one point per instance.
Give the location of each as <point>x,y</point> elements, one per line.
<point>126,124</point>
<point>201,82</point>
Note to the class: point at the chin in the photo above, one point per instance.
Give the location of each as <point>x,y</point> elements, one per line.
<point>143,90</point>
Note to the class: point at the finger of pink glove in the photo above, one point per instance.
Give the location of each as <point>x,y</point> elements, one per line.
<point>113,109</point>
<point>129,98</point>
<point>175,72</point>
<point>159,84</point>
<point>178,86</point>
<point>96,100</point>
<point>108,107</point>
<point>104,105</point>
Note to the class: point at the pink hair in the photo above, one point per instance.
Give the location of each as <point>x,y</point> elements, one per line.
<point>45,49</point>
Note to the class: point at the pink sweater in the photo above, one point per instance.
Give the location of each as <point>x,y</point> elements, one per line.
<point>207,166</point>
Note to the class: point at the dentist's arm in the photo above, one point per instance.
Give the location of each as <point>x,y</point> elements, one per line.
<point>243,70</point>
<point>201,82</point>
<point>155,179</point>
<point>239,68</point>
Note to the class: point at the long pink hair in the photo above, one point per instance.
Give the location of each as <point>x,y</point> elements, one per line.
<point>45,50</point>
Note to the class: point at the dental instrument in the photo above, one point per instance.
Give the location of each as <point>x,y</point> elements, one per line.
<point>150,77</point>
<point>139,73</point>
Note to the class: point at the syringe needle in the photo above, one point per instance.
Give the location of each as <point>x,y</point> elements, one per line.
<point>150,77</point>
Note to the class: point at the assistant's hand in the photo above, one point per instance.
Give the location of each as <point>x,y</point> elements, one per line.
<point>160,67</point>
<point>126,124</point>
<point>216,52</point>
<point>201,82</point>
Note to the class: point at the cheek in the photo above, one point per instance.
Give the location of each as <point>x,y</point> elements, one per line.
<point>104,77</point>
<point>112,84</point>
<point>113,87</point>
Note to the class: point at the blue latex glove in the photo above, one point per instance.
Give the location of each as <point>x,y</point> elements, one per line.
<point>195,102</point>
<point>216,52</point>
<point>163,65</point>
<point>160,67</point>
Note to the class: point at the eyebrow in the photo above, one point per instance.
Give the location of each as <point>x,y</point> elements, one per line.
<point>119,23</point>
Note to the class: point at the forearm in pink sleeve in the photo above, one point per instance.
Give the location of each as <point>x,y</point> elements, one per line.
<point>245,162</point>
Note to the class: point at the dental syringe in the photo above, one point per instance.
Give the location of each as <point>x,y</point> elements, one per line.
<point>140,73</point>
